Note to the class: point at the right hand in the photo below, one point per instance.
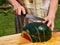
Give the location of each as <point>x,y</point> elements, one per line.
<point>18,9</point>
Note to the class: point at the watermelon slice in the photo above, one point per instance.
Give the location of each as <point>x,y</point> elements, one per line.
<point>26,36</point>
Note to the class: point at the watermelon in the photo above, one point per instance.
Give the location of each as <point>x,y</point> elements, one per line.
<point>36,32</point>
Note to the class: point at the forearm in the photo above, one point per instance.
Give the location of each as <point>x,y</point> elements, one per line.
<point>13,2</point>
<point>53,8</point>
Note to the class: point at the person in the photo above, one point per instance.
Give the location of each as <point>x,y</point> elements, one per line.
<point>51,13</point>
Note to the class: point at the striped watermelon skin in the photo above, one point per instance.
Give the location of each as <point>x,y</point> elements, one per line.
<point>38,32</point>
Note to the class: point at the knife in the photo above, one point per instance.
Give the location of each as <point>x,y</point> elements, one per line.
<point>37,18</point>
<point>33,17</point>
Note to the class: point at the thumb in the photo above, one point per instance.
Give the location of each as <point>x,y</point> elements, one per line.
<point>23,10</point>
<point>45,20</point>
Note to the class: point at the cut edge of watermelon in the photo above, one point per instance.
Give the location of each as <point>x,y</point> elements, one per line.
<point>26,36</point>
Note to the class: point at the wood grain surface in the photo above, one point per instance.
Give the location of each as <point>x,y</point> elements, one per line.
<point>16,39</point>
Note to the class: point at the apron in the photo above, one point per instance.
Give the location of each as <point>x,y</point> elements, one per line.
<point>37,8</point>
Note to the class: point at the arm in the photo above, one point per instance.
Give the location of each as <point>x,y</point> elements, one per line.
<point>12,2</point>
<point>17,7</point>
<point>53,8</point>
<point>51,14</point>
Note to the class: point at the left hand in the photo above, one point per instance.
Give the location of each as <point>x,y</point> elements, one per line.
<point>50,23</point>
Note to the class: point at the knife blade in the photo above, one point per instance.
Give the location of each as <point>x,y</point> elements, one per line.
<point>37,18</point>
<point>33,17</point>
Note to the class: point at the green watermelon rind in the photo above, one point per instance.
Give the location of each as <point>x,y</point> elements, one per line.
<point>35,27</point>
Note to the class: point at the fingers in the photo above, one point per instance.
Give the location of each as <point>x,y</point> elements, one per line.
<point>19,10</point>
<point>23,10</point>
<point>49,24</point>
<point>45,20</point>
<point>52,27</point>
<point>15,11</point>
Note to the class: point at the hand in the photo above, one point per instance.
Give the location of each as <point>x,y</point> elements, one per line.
<point>50,23</point>
<point>18,9</point>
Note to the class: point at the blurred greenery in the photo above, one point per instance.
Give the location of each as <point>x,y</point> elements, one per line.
<point>59,1</point>
<point>57,19</point>
<point>3,2</point>
<point>7,25</point>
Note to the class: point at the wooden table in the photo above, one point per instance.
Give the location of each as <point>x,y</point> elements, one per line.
<point>16,39</point>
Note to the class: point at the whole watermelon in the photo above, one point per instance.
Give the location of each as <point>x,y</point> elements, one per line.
<point>36,32</point>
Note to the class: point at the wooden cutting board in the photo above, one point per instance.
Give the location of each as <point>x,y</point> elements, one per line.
<point>16,39</point>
